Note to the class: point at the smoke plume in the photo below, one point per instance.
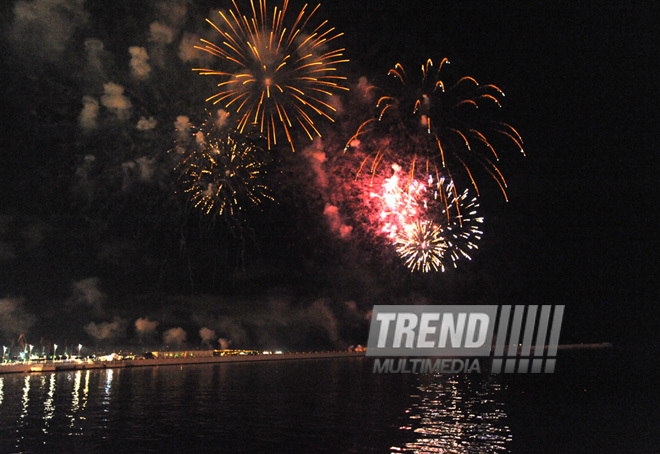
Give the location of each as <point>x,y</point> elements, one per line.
<point>316,157</point>
<point>145,327</point>
<point>89,113</point>
<point>106,331</point>
<point>174,336</point>
<point>335,222</point>
<point>14,320</point>
<point>224,343</point>
<point>208,336</point>
<point>86,292</point>
<point>146,124</point>
<point>139,62</point>
<point>45,27</point>
<point>115,100</point>
<point>94,50</point>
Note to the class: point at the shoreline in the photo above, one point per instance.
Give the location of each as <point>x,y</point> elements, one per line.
<point>59,366</point>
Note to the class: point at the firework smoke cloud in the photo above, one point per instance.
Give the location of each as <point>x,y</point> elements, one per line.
<point>175,337</point>
<point>145,327</point>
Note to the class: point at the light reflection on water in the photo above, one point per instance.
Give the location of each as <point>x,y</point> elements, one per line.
<point>108,386</point>
<point>323,406</point>
<point>457,414</point>
<point>25,400</point>
<point>49,407</point>
<point>86,390</point>
<point>24,410</point>
<point>75,401</point>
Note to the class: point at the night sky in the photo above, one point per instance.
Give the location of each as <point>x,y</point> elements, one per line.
<point>94,235</point>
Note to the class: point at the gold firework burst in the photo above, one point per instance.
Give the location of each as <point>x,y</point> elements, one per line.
<point>224,174</point>
<point>421,246</point>
<point>281,76</point>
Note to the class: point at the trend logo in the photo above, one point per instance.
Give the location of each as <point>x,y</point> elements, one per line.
<point>525,341</point>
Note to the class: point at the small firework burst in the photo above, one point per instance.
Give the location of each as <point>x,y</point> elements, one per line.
<point>421,246</point>
<point>459,221</point>
<point>282,75</point>
<point>224,174</point>
<point>444,127</point>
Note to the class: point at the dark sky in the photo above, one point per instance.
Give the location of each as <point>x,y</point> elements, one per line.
<point>579,229</point>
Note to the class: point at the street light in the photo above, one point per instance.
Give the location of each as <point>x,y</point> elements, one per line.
<point>79,347</point>
<point>54,351</point>
<point>30,354</point>
<point>4,350</point>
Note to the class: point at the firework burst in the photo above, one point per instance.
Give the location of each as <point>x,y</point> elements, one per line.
<point>430,224</point>
<point>458,221</point>
<point>421,246</point>
<point>281,75</point>
<point>445,127</point>
<point>224,174</point>
<point>399,203</point>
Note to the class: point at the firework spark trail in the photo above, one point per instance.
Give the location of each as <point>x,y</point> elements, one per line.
<point>440,123</point>
<point>223,173</point>
<point>281,74</point>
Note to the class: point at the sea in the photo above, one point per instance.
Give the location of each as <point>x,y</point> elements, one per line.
<point>595,402</point>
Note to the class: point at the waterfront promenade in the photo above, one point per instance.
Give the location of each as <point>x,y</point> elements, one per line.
<point>54,366</point>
